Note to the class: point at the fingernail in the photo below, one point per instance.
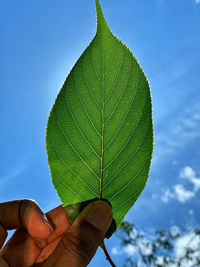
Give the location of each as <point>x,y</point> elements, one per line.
<point>44,218</point>
<point>100,215</point>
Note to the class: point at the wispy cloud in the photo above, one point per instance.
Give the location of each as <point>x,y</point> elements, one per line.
<point>168,194</point>
<point>189,174</point>
<point>178,133</point>
<point>15,171</point>
<point>179,192</point>
<point>184,128</point>
<point>129,250</point>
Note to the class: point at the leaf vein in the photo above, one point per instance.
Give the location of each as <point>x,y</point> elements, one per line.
<point>69,168</point>
<point>127,199</point>
<point>102,130</point>
<point>121,94</point>
<point>125,114</point>
<point>73,147</point>
<point>64,183</point>
<point>114,50</point>
<point>73,118</point>
<point>95,70</point>
<point>85,108</point>
<point>132,179</point>
<point>117,77</point>
<point>89,89</point>
<point>127,139</point>
<point>135,152</point>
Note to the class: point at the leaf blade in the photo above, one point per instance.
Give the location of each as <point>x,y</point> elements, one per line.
<point>100,134</point>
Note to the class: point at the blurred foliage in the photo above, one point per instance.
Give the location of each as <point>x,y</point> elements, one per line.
<point>160,249</point>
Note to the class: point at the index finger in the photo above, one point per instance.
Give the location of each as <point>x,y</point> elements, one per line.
<point>25,214</point>
<point>21,244</point>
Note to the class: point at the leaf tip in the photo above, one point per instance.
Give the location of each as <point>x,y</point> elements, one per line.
<point>100,17</point>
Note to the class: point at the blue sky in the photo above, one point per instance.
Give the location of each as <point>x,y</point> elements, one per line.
<point>41,41</point>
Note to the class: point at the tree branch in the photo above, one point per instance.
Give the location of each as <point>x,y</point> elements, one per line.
<point>107,255</point>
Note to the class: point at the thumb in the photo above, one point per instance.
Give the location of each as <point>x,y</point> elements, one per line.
<point>81,241</point>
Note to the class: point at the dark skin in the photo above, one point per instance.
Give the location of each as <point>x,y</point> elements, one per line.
<point>52,241</point>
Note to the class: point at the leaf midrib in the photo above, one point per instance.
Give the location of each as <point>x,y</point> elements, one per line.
<point>103,118</point>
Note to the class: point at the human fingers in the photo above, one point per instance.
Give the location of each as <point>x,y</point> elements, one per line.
<point>80,242</point>
<point>25,214</point>
<point>3,263</point>
<point>23,250</point>
<point>60,222</point>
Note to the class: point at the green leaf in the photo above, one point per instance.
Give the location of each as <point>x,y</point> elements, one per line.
<point>99,134</point>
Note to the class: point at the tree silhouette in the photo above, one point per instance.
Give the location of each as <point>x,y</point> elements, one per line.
<point>160,249</point>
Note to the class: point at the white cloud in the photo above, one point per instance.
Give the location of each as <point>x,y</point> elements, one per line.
<point>116,251</point>
<point>189,240</point>
<point>167,195</point>
<point>181,194</point>
<point>189,173</point>
<point>129,250</point>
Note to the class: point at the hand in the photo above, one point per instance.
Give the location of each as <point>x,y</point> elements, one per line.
<point>51,240</point>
